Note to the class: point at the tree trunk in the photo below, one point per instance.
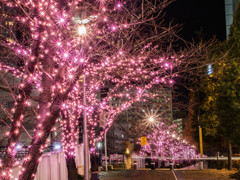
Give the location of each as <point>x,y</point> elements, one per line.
<point>71,168</point>
<point>30,166</point>
<point>18,116</point>
<point>94,166</point>
<point>35,150</point>
<point>229,155</point>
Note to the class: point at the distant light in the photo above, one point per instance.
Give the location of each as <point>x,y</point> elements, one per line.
<point>99,145</point>
<point>19,147</point>
<point>210,70</point>
<point>151,119</point>
<point>114,28</point>
<point>82,30</point>
<point>61,20</point>
<point>119,5</point>
<point>57,146</point>
<point>127,151</point>
<point>65,55</point>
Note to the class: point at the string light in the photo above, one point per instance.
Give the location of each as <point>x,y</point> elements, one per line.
<point>163,142</point>
<point>72,47</point>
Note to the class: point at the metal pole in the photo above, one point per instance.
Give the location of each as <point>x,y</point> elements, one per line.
<point>85,140</point>
<point>200,135</point>
<point>105,143</point>
<point>105,147</point>
<point>201,147</point>
<point>200,141</point>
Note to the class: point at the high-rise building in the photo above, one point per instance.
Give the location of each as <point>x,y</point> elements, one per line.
<point>230,8</point>
<point>127,126</point>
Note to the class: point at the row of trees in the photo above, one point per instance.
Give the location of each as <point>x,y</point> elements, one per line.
<point>165,142</point>
<point>52,44</point>
<point>222,86</point>
<point>215,103</point>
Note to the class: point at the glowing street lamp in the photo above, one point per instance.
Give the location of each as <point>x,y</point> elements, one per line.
<point>127,151</point>
<point>57,146</point>
<point>19,147</point>
<point>151,119</point>
<point>99,145</point>
<point>82,30</point>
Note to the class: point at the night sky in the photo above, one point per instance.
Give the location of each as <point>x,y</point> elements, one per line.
<point>206,17</point>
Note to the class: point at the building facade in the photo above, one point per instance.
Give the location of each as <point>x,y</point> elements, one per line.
<point>130,124</point>
<point>230,8</point>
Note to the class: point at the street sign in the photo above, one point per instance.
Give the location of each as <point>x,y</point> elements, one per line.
<point>143,140</point>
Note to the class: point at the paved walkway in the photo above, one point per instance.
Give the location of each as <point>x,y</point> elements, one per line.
<point>137,175</point>
<point>165,174</point>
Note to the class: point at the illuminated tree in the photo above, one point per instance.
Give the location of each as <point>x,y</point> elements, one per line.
<point>164,142</point>
<point>55,42</point>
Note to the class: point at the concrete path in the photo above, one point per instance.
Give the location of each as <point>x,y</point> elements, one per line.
<point>165,174</point>
<point>137,175</point>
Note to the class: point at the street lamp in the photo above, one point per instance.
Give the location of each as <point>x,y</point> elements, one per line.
<point>151,119</point>
<point>82,30</point>
<point>127,151</point>
<point>19,147</point>
<point>99,145</point>
<point>57,146</point>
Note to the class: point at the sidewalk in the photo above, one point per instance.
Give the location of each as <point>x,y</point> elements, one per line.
<point>145,174</point>
<point>207,174</point>
<point>165,174</point>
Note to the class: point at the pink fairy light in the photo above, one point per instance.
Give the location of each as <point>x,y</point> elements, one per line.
<point>114,27</point>
<point>70,53</point>
<point>163,142</point>
<point>119,5</point>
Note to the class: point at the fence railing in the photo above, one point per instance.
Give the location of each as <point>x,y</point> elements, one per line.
<point>21,152</point>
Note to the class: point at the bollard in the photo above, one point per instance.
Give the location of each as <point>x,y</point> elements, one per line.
<point>171,165</point>
<point>152,165</point>
<point>135,167</point>
<point>218,166</point>
<point>201,164</point>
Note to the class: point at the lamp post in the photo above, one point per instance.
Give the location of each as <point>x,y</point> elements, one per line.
<point>82,31</point>
<point>85,138</point>
<point>105,145</point>
<point>201,147</point>
<point>200,136</point>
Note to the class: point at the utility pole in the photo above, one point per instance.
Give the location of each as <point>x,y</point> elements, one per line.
<point>200,141</point>
<point>200,136</point>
